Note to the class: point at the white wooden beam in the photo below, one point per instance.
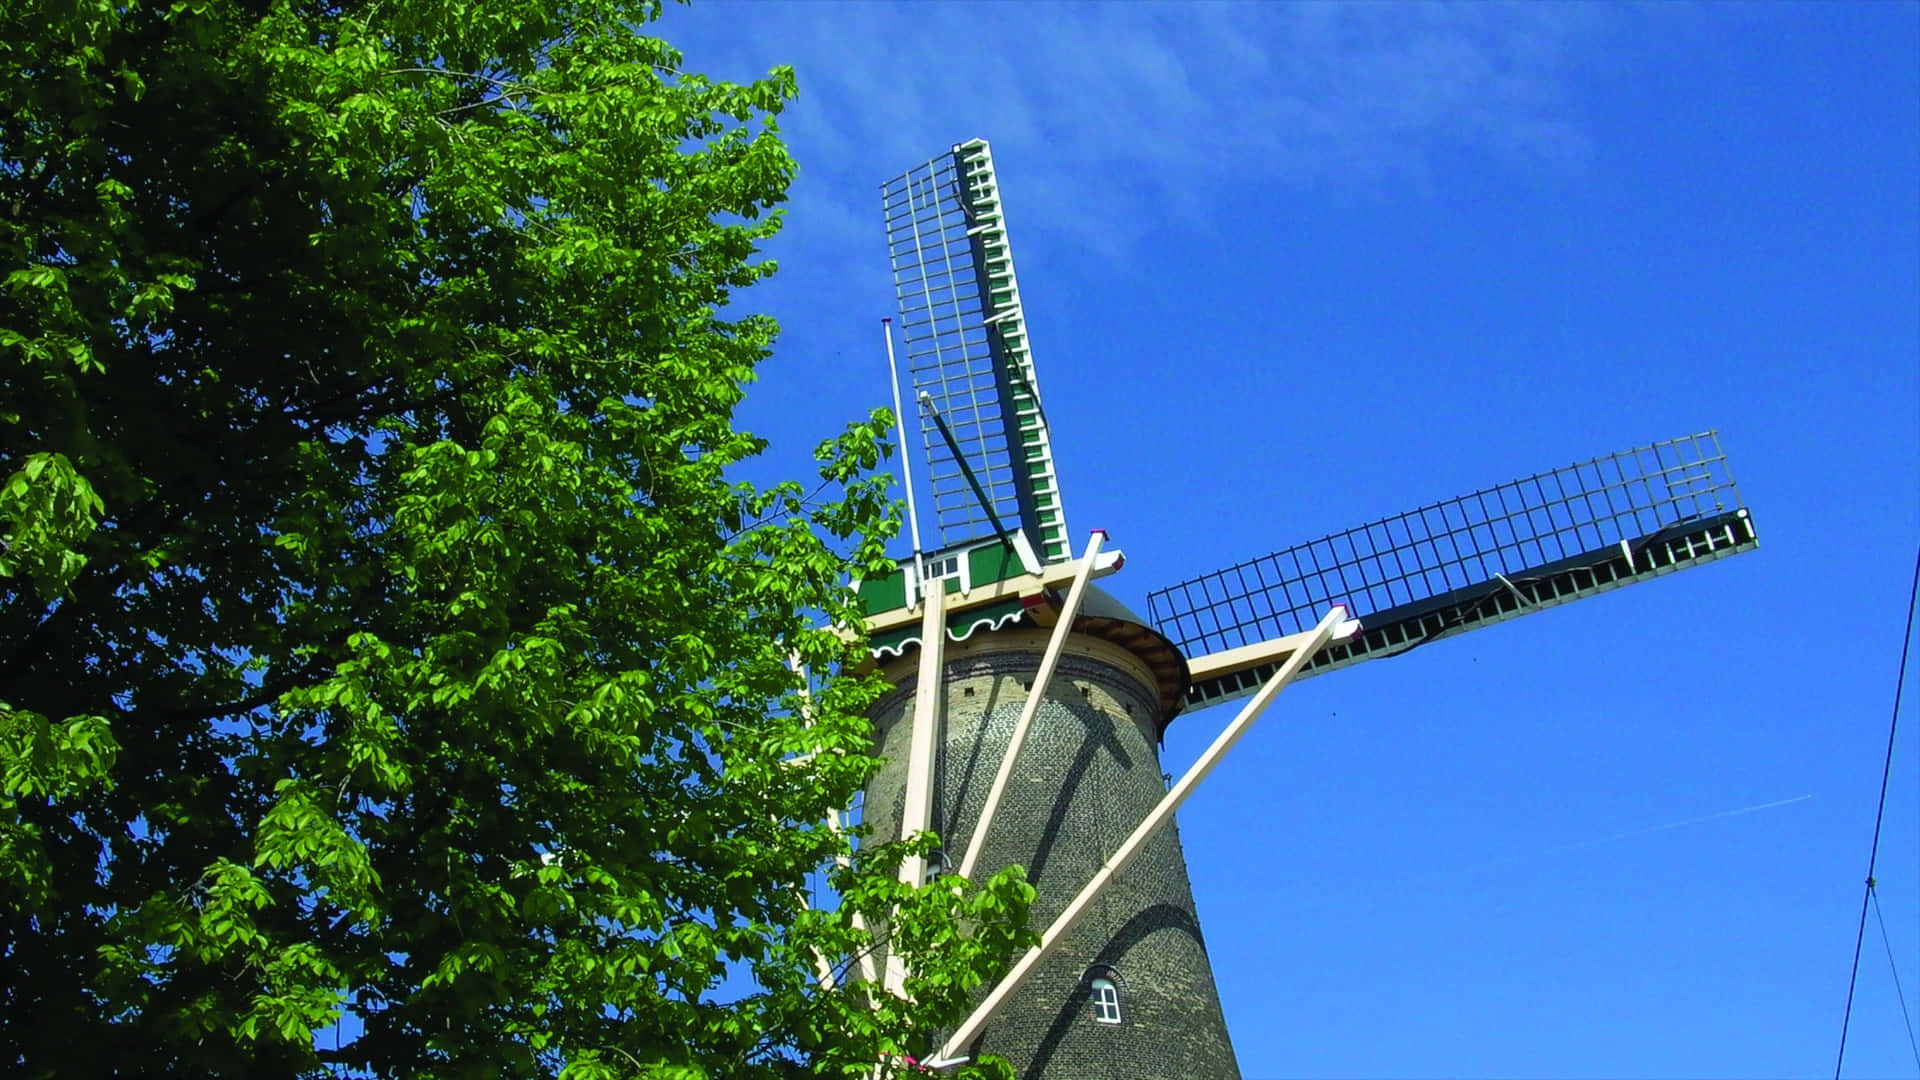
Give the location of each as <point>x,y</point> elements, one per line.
<point>916,811</point>
<point>1132,845</point>
<point>867,967</point>
<point>1035,695</point>
<point>1247,657</point>
<point>825,970</point>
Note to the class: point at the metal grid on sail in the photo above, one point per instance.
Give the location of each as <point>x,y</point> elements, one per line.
<point>966,349</point>
<point>1511,542</point>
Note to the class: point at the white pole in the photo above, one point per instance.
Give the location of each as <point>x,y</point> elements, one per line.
<point>1131,846</point>
<point>906,468</point>
<point>916,811</point>
<point>1035,695</point>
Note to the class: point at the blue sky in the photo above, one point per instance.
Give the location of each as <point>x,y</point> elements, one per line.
<point>1291,267</point>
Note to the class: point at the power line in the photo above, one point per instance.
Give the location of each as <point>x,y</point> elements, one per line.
<point>1881,918</point>
<point>1873,856</point>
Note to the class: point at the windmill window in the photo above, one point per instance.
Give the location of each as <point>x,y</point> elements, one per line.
<point>943,568</point>
<point>1106,1001</point>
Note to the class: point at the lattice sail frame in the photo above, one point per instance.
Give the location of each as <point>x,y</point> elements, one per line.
<point>966,346</point>
<point>1466,562</point>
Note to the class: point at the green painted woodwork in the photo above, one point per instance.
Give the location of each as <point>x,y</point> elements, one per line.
<point>1025,422</point>
<point>982,563</point>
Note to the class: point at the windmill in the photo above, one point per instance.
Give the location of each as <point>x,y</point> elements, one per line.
<point>1028,704</point>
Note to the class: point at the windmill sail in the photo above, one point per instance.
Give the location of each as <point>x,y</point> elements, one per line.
<point>966,348</point>
<point>1494,555</point>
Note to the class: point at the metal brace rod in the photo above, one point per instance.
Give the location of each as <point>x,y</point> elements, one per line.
<point>916,813</point>
<point>1056,645</point>
<point>1335,623</point>
<point>953,447</point>
<point>1514,589</point>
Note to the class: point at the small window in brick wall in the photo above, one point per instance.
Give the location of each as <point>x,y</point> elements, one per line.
<point>1103,992</point>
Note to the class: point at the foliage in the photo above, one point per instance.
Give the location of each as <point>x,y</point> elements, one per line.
<point>393,673</point>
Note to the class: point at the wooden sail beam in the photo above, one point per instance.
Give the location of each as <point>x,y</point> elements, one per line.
<point>1334,623</point>
<point>1036,693</point>
<point>916,813</point>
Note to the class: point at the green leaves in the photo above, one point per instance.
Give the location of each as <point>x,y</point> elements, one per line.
<point>47,759</point>
<point>299,832</point>
<point>47,512</point>
<point>399,671</point>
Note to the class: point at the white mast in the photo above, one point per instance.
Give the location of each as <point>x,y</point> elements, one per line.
<point>906,467</point>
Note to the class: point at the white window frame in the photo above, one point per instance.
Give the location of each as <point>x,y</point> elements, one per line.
<point>953,566</point>
<point>1106,1000</point>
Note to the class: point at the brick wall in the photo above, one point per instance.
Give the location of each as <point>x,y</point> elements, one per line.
<point>1088,773</point>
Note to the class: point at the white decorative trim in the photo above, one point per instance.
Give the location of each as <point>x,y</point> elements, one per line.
<point>954,633</point>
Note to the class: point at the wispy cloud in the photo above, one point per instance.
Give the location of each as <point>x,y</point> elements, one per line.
<point>1108,115</point>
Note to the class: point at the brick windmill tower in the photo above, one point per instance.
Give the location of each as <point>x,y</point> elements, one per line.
<point>1029,705</point>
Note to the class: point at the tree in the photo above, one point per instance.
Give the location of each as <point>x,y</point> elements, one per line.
<point>394,676</point>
